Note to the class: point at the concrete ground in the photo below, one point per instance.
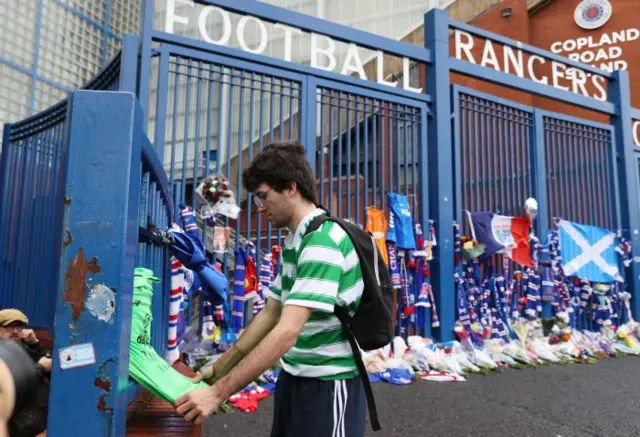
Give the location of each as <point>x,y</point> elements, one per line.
<point>550,401</point>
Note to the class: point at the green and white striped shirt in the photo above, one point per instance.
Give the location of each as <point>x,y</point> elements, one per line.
<point>319,272</point>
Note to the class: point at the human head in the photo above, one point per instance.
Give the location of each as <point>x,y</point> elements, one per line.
<point>12,322</point>
<point>282,179</point>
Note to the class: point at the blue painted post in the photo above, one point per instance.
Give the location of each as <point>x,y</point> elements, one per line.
<point>146,25</point>
<point>105,48</point>
<point>440,161</point>
<point>308,124</point>
<point>100,227</point>
<point>36,58</point>
<point>539,187</point>
<point>129,64</point>
<point>161,108</point>
<point>6,175</point>
<point>620,95</point>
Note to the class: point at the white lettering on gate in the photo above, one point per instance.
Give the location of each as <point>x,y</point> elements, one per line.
<point>531,69</point>
<point>263,35</point>
<point>636,133</point>
<point>599,52</point>
<point>515,59</point>
<point>288,38</point>
<point>226,26</point>
<point>380,71</point>
<point>562,77</point>
<point>322,50</point>
<point>172,18</point>
<point>328,52</point>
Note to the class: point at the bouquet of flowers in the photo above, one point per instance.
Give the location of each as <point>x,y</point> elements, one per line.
<point>477,357</point>
<point>216,194</point>
<point>627,343</point>
<point>471,249</point>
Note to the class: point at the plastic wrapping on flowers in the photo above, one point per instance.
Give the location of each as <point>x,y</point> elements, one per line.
<point>471,249</point>
<point>215,195</point>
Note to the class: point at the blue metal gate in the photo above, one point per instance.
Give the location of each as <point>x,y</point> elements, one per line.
<point>493,145</point>
<point>497,143</point>
<point>581,176</point>
<point>31,173</point>
<point>210,108</point>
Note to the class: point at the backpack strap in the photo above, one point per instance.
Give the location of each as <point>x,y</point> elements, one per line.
<point>316,222</point>
<point>344,318</point>
<point>345,321</point>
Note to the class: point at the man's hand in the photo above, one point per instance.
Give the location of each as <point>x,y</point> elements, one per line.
<point>280,340</point>
<point>203,374</point>
<point>46,364</point>
<point>29,336</point>
<point>198,404</point>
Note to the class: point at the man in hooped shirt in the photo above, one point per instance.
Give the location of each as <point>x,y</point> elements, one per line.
<point>319,392</point>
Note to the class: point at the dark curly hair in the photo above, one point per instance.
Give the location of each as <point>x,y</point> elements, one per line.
<point>278,165</point>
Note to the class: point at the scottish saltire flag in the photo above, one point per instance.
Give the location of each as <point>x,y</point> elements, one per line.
<point>502,234</point>
<point>589,252</point>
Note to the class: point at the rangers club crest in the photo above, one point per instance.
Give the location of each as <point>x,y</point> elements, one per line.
<point>592,14</point>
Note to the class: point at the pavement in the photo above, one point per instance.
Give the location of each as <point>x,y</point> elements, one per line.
<point>577,400</point>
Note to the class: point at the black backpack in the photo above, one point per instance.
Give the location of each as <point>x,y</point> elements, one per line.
<point>372,323</point>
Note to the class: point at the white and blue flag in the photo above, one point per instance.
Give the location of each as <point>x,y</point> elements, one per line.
<point>589,252</point>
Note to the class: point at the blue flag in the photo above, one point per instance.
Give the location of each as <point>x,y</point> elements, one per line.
<point>589,253</point>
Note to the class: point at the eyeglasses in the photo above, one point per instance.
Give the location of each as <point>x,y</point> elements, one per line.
<point>259,198</point>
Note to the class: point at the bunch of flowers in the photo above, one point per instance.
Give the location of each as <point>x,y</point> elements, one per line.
<point>562,338</point>
<point>217,192</point>
<point>471,249</point>
<point>215,188</point>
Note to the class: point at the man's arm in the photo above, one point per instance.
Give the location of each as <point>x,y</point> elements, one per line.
<point>320,265</point>
<point>32,345</point>
<point>202,402</point>
<point>278,342</point>
<point>259,327</point>
<point>319,269</point>
<point>257,330</point>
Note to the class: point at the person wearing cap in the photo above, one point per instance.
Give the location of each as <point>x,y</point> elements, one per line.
<point>31,419</point>
<point>13,327</point>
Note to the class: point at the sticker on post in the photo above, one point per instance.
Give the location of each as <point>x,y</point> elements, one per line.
<point>78,355</point>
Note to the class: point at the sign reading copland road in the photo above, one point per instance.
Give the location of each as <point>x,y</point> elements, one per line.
<point>322,49</point>
<point>601,51</point>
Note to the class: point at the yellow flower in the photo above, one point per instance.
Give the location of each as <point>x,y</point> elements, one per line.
<point>468,245</point>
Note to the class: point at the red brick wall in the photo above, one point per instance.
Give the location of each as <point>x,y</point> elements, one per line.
<point>555,23</point>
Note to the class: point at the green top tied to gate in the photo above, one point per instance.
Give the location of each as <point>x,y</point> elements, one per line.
<point>145,365</point>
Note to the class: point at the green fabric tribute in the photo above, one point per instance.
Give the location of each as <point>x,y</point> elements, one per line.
<point>145,365</point>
